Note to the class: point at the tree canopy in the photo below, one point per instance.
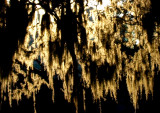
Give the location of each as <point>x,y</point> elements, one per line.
<point>81,49</point>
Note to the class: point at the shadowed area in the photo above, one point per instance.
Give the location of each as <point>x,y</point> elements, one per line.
<point>14,21</point>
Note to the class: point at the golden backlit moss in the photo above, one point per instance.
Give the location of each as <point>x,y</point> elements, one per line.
<point>110,27</point>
